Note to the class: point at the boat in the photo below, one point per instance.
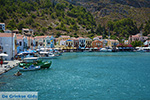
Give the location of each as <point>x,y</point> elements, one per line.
<point>46,55</point>
<point>105,50</point>
<point>34,62</point>
<point>43,64</point>
<point>18,73</point>
<point>29,68</point>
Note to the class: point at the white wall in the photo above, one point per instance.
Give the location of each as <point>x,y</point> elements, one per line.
<point>8,47</point>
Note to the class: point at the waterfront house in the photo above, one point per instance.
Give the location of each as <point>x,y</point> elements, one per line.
<point>147,43</point>
<point>44,41</point>
<point>88,43</point>
<point>33,43</point>
<point>63,37</point>
<point>82,43</point>
<point>40,41</point>
<point>52,42</point>
<point>25,42</point>
<point>137,37</point>
<point>96,44</point>
<point>15,31</point>
<point>2,26</point>
<point>105,42</point>
<point>98,38</point>
<point>47,42</point>
<point>69,44</point>
<point>62,44</point>
<point>112,43</point>
<point>20,42</point>
<point>76,43</point>
<point>7,42</point>
<point>27,32</point>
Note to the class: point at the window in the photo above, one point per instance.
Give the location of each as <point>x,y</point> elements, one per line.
<point>36,43</point>
<point>20,43</point>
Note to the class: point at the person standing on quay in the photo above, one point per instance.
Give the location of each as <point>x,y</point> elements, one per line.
<point>1,62</point>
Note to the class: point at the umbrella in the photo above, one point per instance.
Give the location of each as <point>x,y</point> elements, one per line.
<point>3,54</point>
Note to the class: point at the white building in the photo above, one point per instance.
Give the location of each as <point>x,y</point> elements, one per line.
<point>147,42</point>
<point>2,26</point>
<point>8,44</point>
<point>62,43</point>
<point>20,42</point>
<point>27,32</point>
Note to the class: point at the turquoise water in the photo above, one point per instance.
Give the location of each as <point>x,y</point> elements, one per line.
<point>87,76</point>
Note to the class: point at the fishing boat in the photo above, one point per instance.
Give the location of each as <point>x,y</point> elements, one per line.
<point>34,62</point>
<point>43,64</point>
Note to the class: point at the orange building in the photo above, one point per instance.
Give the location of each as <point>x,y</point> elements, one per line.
<point>97,44</point>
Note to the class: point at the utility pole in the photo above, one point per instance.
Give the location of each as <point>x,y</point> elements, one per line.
<point>12,46</point>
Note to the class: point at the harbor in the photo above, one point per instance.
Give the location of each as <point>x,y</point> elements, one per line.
<point>75,50</point>
<point>86,75</point>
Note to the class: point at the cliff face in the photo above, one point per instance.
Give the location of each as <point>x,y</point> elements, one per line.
<point>104,10</point>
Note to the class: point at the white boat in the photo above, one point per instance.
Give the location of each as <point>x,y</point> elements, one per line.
<point>105,50</point>
<point>30,59</point>
<point>47,55</point>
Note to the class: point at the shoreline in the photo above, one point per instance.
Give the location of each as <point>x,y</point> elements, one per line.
<point>8,66</point>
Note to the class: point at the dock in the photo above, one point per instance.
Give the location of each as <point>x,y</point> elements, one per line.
<point>8,65</point>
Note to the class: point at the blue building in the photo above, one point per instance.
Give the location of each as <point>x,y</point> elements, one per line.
<point>52,42</point>
<point>2,26</point>
<point>82,43</point>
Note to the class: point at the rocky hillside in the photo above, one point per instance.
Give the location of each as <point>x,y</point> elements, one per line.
<point>105,10</point>
<point>77,17</point>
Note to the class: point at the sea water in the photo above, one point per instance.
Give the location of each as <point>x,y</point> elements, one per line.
<point>87,76</point>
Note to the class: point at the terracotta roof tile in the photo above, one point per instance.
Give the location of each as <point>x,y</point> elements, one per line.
<point>6,34</point>
<point>64,36</point>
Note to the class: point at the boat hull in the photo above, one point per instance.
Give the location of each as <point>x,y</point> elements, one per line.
<point>46,65</point>
<point>29,69</point>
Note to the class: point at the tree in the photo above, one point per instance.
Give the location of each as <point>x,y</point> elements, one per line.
<point>21,25</point>
<point>136,43</point>
<point>11,24</point>
<point>58,34</point>
<point>44,29</point>
<point>147,28</point>
<point>99,30</point>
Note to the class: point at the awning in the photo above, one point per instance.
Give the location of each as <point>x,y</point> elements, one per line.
<point>3,54</point>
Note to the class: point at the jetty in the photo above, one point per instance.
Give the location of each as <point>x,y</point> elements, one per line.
<point>8,65</point>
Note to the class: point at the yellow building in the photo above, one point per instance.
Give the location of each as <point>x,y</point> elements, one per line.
<point>112,43</point>
<point>63,38</point>
<point>69,44</point>
<point>88,42</point>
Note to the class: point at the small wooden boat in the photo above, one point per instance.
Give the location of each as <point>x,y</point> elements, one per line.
<point>29,68</point>
<point>18,73</point>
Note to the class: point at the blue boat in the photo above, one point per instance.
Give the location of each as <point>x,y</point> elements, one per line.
<point>29,68</point>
